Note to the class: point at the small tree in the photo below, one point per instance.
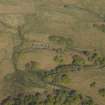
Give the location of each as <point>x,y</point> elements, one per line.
<point>93,84</point>
<point>58,59</point>
<point>78,61</point>
<point>102,92</point>
<point>87,101</point>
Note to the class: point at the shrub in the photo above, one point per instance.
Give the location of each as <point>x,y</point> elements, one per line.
<point>60,40</point>
<point>87,101</point>
<point>59,59</point>
<point>93,84</point>
<point>102,92</point>
<point>78,61</point>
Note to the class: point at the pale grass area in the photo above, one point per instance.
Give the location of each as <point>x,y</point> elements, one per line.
<point>81,82</point>
<point>5,59</point>
<point>45,58</point>
<point>20,7</point>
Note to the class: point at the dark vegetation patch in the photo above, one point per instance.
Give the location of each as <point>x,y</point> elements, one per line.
<point>102,92</point>
<point>56,97</point>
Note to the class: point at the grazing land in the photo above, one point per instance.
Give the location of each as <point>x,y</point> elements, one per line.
<point>52,52</point>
